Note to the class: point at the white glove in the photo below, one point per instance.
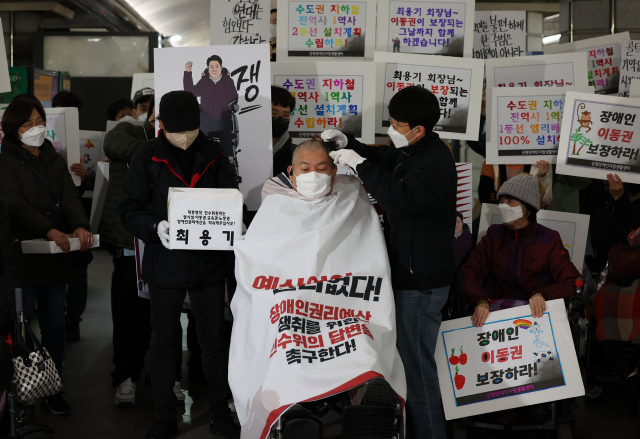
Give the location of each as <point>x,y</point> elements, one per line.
<point>346,157</point>
<point>335,136</point>
<point>163,233</point>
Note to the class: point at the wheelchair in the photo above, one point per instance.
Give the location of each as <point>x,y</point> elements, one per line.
<point>566,418</point>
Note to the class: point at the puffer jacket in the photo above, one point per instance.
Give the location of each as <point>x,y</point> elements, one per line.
<point>517,264</point>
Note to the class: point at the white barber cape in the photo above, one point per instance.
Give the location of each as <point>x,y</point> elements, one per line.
<point>314,310</point>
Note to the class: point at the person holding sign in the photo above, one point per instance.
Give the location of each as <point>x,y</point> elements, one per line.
<point>181,156</point>
<point>525,262</point>
<point>414,181</point>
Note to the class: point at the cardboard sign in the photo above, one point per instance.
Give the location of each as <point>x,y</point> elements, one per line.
<point>572,227</point>
<point>239,22</point>
<point>499,34</point>
<point>426,27</point>
<point>629,66</point>
<point>140,81</point>
<point>5,81</point>
<point>565,70</point>
<point>204,219</point>
<point>513,360</point>
<point>329,96</point>
<point>331,31</point>
<point>462,234</point>
<point>597,137</point>
<point>236,110</point>
<point>99,195</point>
<point>523,124</point>
<point>91,150</point>
<point>634,89</point>
<point>457,83</point>
<point>603,59</point>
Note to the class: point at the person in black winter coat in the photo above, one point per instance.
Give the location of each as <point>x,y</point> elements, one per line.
<point>414,181</point>
<point>181,156</point>
<point>282,104</point>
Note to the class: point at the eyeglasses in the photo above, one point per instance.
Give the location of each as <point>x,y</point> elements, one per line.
<point>395,125</point>
<point>28,125</point>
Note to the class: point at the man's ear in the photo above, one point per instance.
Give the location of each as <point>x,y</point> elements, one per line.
<point>289,170</point>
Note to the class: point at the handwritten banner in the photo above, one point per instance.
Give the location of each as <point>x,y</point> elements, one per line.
<point>629,66</point>
<point>239,22</point>
<point>499,34</point>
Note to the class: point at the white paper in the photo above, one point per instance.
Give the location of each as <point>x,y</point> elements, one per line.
<point>44,246</point>
<point>303,30</point>
<point>564,70</point>
<point>239,22</point>
<point>523,124</point>
<point>572,227</point>
<point>457,83</point>
<point>542,347</point>
<point>634,90</point>
<point>99,195</point>
<point>91,150</point>
<point>426,27</point>
<point>603,59</point>
<point>140,81</point>
<point>249,69</point>
<point>629,66</point>
<point>329,96</point>
<point>5,81</point>
<point>594,143</point>
<point>499,34</point>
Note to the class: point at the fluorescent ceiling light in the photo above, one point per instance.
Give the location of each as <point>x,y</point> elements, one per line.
<point>551,39</point>
<point>175,38</point>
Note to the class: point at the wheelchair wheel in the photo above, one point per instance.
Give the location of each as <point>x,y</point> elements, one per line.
<point>594,392</point>
<point>563,431</point>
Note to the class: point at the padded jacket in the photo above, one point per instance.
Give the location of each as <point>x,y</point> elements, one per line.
<point>517,264</point>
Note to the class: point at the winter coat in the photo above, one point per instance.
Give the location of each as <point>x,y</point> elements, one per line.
<point>215,97</point>
<point>143,204</point>
<point>120,144</point>
<point>518,264</point>
<point>416,186</point>
<point>32,213</point>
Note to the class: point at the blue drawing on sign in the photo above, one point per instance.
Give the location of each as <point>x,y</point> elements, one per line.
<point>535,330</point>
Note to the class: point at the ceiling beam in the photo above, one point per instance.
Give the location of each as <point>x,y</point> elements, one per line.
<point>531,7</point>
<point>54,7</point>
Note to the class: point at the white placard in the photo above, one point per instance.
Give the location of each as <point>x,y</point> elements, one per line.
<point>457,83</point>
<point>463,233</point>
<point>565,70</point>
<point>99,195</point>
<point>239,22</point>
<point>499,34</point>
<point>523,124</point>
<point>326,31</point>
<point>248,68</point>
<point>91,150</point>
<point>426,27</point>
<point>572,227</point>
<point>603,59</point>
<point>634,90</point>
<point>204,219</point>
<point>5,81</point>
<point>629,66</point>
<point>513,360</point>
<point>329,95</point>
<point>140,81</point>
<point>597,137</point>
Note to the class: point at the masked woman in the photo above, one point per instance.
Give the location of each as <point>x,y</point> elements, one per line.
<point>519,261</point>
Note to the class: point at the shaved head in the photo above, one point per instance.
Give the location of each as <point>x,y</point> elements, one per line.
<point>314,145</point>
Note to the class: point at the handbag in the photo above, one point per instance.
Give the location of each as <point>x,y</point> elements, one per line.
<point>34,370</point>
<point>624,262</point>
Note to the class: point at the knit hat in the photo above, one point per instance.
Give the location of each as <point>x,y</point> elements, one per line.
<point>179,111</point>
<point>524,188</point>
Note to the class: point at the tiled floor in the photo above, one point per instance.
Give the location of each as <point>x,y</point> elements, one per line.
<point>88,389</point>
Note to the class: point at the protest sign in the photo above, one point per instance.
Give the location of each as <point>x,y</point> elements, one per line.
<point>62,131</point>
<point>5,81</point>
<point>513,360</point>
<point>239,22</point>
<point>565,70</point>
<point>329,96</point>
<point>572,227</point>
<point>236,110</point>
<point>596,138</point>
<point>462,234</point>
<point>634,89</point>
<point>426,27</point>
<point>603,59</point>
<point>204,219</point>
<point>91,150</point>
<point>140,81</point>
<point>457,83</point>
<point>629,66</point>
<point>331,31</point>
<point>99,195</point>
<point>499,34</point>
<point>523,124</point>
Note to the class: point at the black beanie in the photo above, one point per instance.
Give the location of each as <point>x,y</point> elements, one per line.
<point>179,111</point>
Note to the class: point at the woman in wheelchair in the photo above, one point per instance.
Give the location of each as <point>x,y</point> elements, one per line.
<point>519,261</point>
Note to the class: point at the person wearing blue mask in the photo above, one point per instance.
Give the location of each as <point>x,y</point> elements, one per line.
<point>414,180</point>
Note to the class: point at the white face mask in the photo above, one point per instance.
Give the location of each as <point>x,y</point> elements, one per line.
<point>34,136</point>
<point>142,116</point>
<point>313,185</point>
<point>509,214</point>
<point>273,28</point>
<point>127,118</point>
<point>182,140</point>
<point>399,140</point>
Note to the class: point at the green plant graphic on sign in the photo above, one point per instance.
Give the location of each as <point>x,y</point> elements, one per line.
<point>584,142</point>
<point>576,137</point>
